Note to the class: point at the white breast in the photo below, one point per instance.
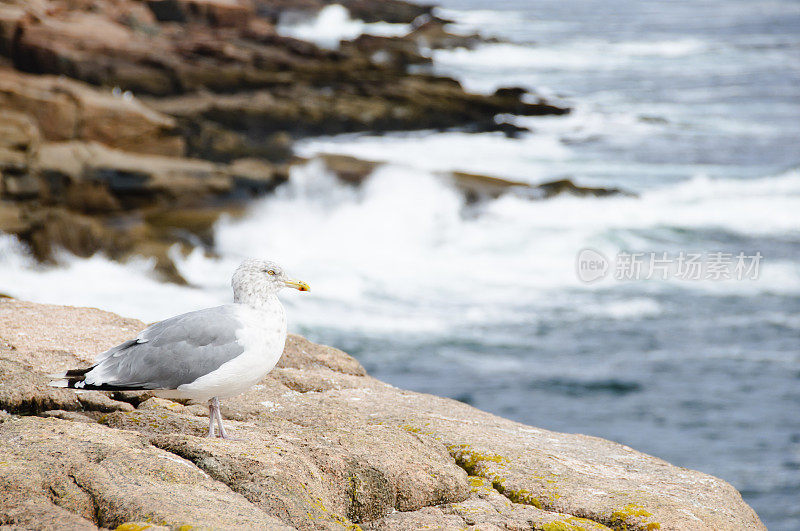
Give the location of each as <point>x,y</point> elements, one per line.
<point>263,337</point>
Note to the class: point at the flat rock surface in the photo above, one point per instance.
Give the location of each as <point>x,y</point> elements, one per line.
<point>322,445</point>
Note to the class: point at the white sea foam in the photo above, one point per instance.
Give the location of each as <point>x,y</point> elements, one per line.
<point>580,55</point>
<point>397,252</point>
<point>475,19</point>
<point>333,24</point>
<point>549,152</point>
<point>635,307</point>
<point>664,48</point>
<point>394,254</point>
<point>491,65</point>
<point>530,158</point>
<point>129,289</point>
<point>504,24</point>
<point>400,254</point>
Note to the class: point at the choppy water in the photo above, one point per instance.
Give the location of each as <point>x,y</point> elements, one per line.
<point>694,106</point>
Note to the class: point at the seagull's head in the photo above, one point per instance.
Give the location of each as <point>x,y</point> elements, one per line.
<point>255,280</point>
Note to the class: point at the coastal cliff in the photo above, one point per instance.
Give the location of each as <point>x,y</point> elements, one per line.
<point>322,446</point>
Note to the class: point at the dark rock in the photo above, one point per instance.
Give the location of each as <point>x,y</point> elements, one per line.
<point>348,169</point>
<point>397,53</point>
<point>432,34</point>
<point>478,187</point>
<point>509,129</point>
<point>11,217</point>
<point>134,180</point>
<point>213,141</point>
<point>172,224</point>
<point>19,142</point>
<point>169,10</point>
<point>89,198</point>
<point>565,186</point>
<point>62,109</point>
<point>216,13</point>
<point>392,11</point>
<point>93,174</point>
<point>510,92</point>
<point>412,102</point>
<point>47,230</point>
<point>475,187</point>
<point>255,177</point>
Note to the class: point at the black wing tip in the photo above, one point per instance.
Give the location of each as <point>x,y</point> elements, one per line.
<point>69,379</point>
<point>73,373</point>
<point>76,379</point>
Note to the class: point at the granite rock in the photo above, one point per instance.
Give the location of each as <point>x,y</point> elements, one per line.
<point>322,446</point>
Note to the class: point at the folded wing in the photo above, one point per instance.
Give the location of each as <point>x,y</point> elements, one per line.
<point>170,353</point>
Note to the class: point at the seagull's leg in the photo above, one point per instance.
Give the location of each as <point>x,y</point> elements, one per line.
<point>222,433</point>
<point>211,418</point>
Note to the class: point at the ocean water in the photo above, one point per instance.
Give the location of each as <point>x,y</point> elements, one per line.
<point>695,107</point>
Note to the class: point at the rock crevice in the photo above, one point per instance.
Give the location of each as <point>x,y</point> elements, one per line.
<point>97,517</point>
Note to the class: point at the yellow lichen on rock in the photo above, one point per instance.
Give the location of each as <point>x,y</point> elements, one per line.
<point>477,481</point>
<point>573,523</point>
<point>619,518</point>
<point>523,496</point>
<point>469,458</point>
<point>133,526</point>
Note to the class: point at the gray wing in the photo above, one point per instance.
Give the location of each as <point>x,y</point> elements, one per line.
<point>170,353</point>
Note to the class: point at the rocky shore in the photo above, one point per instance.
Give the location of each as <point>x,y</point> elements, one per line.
<point>323,446</point>
<point>127,126</point>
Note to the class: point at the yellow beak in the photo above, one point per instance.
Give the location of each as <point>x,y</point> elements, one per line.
<point>297,284</point>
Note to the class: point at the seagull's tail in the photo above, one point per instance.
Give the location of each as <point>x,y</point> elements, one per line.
<point>72,379</point>
<point>76,379</point>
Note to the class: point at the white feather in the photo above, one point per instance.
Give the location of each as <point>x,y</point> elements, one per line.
<point>263,336</point>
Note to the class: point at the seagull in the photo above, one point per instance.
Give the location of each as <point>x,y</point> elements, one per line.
<point>204,355</point>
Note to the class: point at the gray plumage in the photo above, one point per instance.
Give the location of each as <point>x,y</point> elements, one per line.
<point>173,352</point>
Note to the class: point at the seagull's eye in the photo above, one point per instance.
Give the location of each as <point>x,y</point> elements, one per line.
<point>271,272</point>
